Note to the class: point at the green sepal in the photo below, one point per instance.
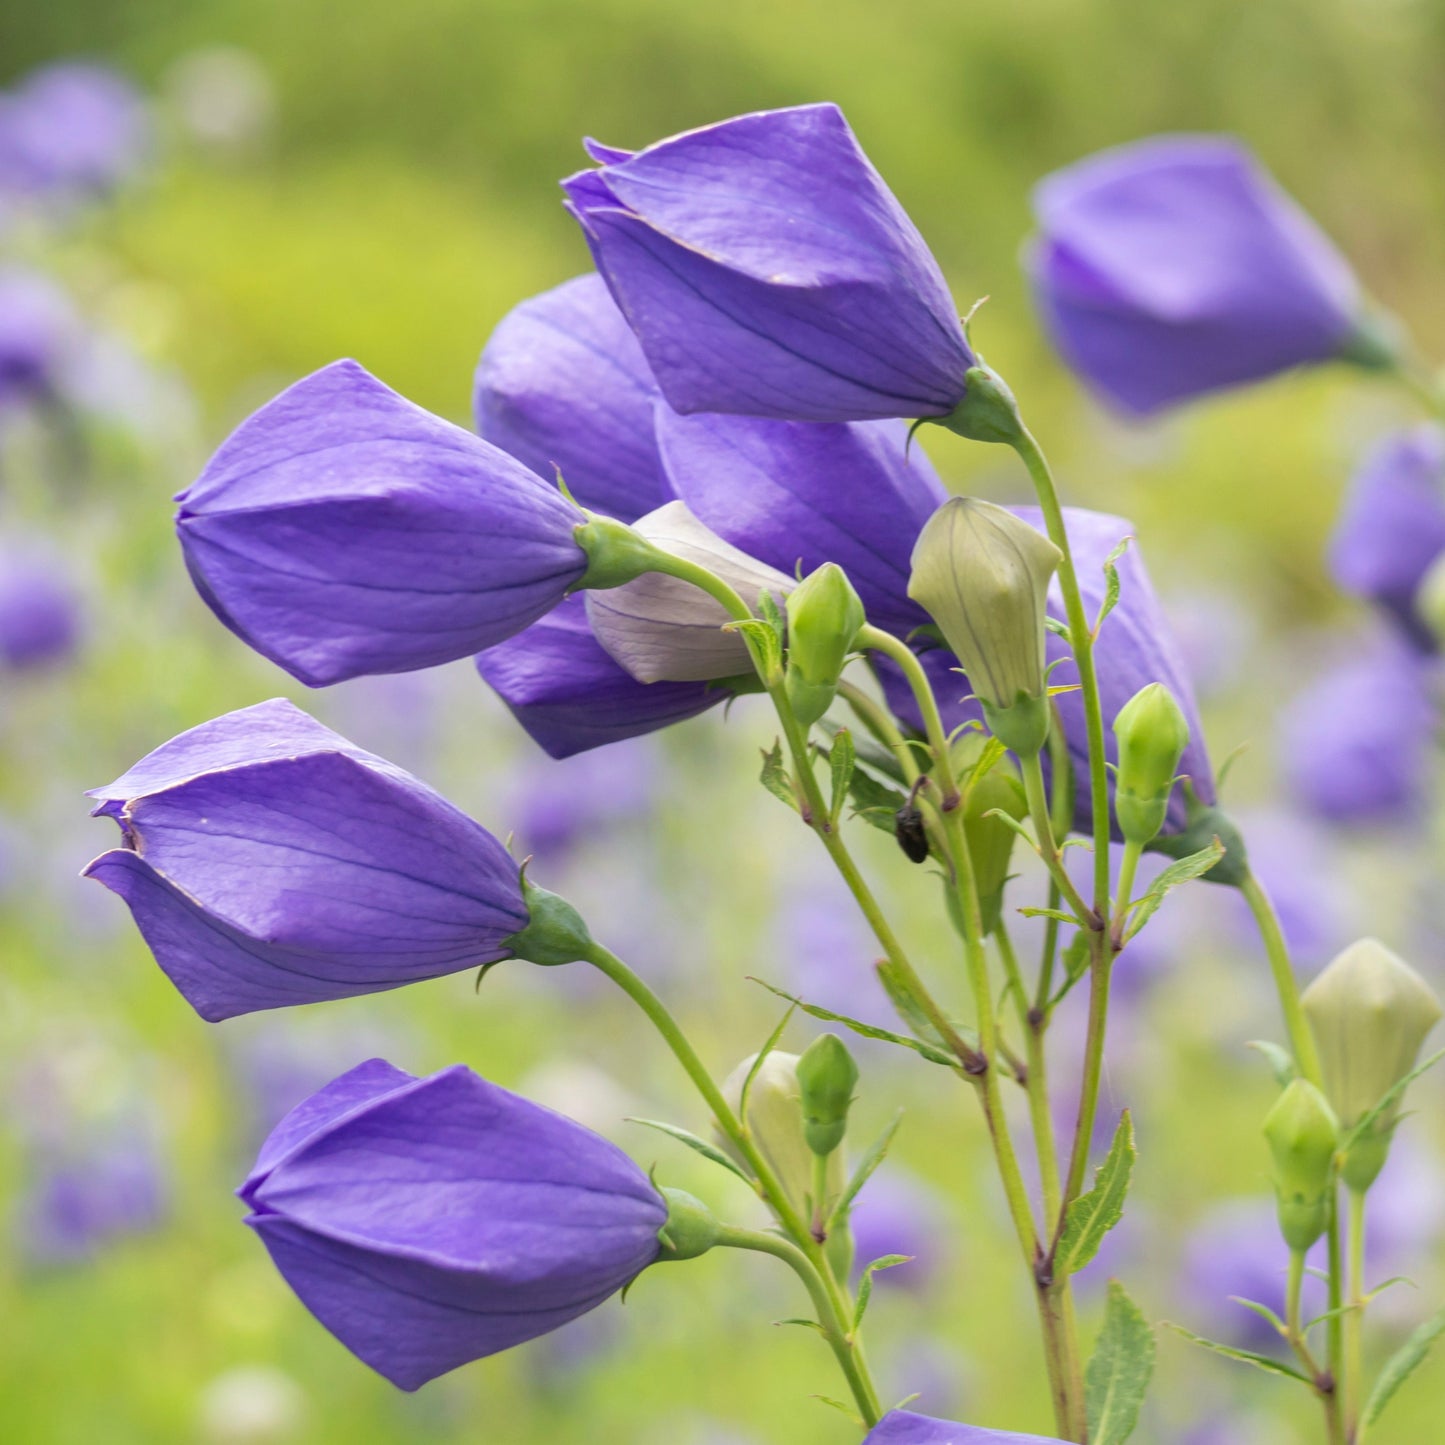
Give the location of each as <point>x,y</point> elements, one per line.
<point>555,931</point>
<point>616,553</point>
<point>690,1230</point>
<point>988,411</point>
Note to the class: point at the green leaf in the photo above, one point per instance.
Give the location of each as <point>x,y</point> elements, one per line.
<point>1049,913</point>
<point>1091,1216</point>
<point>807,1324</point>
<point>1194,866</point>
<point>1016,825</point>
<point>865,1285</point>
<point>759,1060</point>
<point>1111,583</point>
<point>776,779</point>
<point>1387,1103</point>
<point>700,1146</point>
<point>1402,1364</point>
<point>874,801</point>
<point>847,1410</point>
<point>1075,959</point>
<point>1281,1061</point>
<point>1118,1375</point>
<point>842,761</point>
<point>1247,1357</point>
<point>1263,1311</point>
<point>763,642</point>
<point>772,614</point>
<point>877,1152</point>
<point>1059,629</point>
<point>868,1031</point>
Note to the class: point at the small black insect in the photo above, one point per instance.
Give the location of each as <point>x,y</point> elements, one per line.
<point>912,836</point>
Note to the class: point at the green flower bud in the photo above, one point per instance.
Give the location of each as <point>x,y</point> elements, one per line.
<point>990,840</point>
<point>824,616</point>
<point>1430,598</point>
<point>983,575</point>
<point>1370,1012</point>
<point>1153,733</point>
<point>1303,1134</point>
<point>827,1076</point>
<point>690,1230</point>
<point>775,1120</point>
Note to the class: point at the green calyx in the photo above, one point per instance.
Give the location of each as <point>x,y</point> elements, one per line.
<point>825,616</point>
<point>988,411</point>
<point>1152,732</point>
<point>827,1077</point>
<point>1377,341</point>
<point>555,932</point>
<point>691,1228</point>
<point>1303,1134</point>
<point>616,553</point>
<point>1023,726</point>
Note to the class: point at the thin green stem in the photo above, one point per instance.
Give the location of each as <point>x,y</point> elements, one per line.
<point>1099,980</point>
<point>899,652</point>
<point>880,723</point>
<point>835,1328</point>
<point>1128,867</point>
<point>1320,1380</point>
<point>1048,848</point>
<point>1301,1039</point>
<point>1040,1115</point>
<point>1354,1343</point>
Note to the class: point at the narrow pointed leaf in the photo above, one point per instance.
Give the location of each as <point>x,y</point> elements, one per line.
<point>1402,1364</point>
<point>1117,1378</point>
<point>1246,1357</point>
<point>1091,1216</point>
<point>700,1146</point>
<point>758,1062</point>
<point>875,1155</point>
<point>867,1031</point>
<point>775,777</point>
<point>865,1285</point>
<point>842,761</point>
<point>1194,866</point>
<point>1280,1060</point>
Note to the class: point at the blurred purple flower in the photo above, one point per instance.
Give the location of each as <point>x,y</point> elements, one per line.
<point>40,612</point>
<point>40,334</point>
<point>1392,526</point>
<point>430,1222</point>
<point>768,271</point>
<point>342,530</point>
<point>897,1213</point>
<point>825,947</point>
<point>267,861</point>
<point>563,386</point>
<point>1176,266</point>
<point>1356,746</point>
<point>903,1427</point>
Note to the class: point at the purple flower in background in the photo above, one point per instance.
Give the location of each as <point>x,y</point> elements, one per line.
<point>342,530</point>
<point>267,861</point>
<point>70,129</point>
<point>768,271</point>
<point>40,334</point>
<point>899,1214</point>
<point>1392,526</point>
<point>569,694</point>
<point>1176,266</point>
<point>430,1222</point>
<point>40,614</point>
<point>903,1427</point>
<point>794,492</point>
<point>1356,744</point>
<point>563,386</point>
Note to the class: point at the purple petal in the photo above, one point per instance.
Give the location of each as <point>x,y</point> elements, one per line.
<point>1176,266</point>
<point>563,386</point>
<point>342,530</point>
<point>570,695</point>
<point>903,1427</point>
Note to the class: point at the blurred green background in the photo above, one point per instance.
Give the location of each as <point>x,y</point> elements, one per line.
<point>389,193</point>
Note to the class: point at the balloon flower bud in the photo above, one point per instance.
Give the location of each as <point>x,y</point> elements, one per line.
<point>827,1076</point>
<point>1370,1012</point>
<point>983,576</point>
<point>824,616</point>
<point>990,840</point>
<point>1303,1134</point>
<point>1153,733</point>
<point>775,1120</point>
<point>1430,599</point>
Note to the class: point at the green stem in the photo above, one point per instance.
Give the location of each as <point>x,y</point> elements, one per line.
<point>1040,1115</point>
<point>1048,848</point>
<point>840,1338</point>
<point>880,723</point>
<point>1354,1343</point>
<point>1323,1386</point>
<point>1128,867</point>
<point>1286,986</point>
<point>1099,980</point>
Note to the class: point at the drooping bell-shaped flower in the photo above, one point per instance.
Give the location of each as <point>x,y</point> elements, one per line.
<point>663,629</point>
<point>267,861</point>
<point>430,1222</point>
<point>903,1427</point>
<point>1176,266</point>
<point>768,271</point>
<point>1392,527</point>
<point>563,386</point>
<point>341,531</point>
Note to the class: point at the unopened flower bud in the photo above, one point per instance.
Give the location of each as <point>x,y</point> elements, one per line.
<point>827,1076</point>
<point>1430,599</point>
<point>1303,1134</point>
<point>990,840</point>
<point>824,615</point>
<point>661,629</point>
<point>1152,732</point>
<point>983,575</point>
<point>775,1120</point>
<point>691,1227</point>
<point>1370,1012</point>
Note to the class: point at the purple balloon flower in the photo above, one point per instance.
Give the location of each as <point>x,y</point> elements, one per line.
<point>267,861</point>
<point>1176,266</point>
<point>1357,744</point>
<point>1393,526</point>
<point>569,694</point>
<point>903,1427</point>
<point>40,621</point>
<point>767,270</point>
<point>563,386</point>
<point>430,1222</point>
<point>342,530</point>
